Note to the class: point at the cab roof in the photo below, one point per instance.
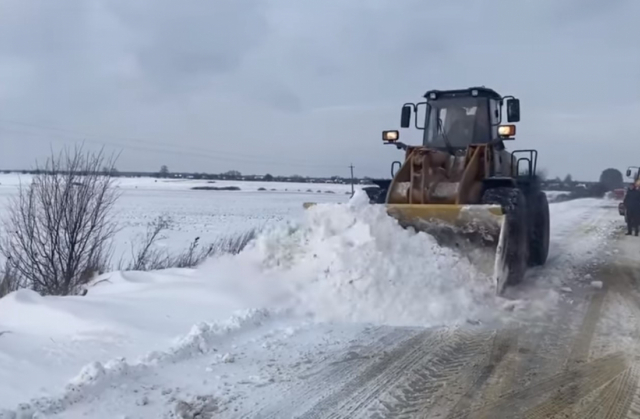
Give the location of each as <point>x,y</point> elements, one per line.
<point>482,92</point>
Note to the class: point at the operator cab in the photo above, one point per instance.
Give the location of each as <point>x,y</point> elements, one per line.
<point>455,119</point>
<point>461,118</point>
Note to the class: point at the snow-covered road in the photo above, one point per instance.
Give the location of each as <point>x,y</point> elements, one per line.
<point>345,316</point>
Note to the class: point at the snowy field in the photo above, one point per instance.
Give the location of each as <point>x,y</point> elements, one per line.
<point>222,339</point>
<point>207,214</point>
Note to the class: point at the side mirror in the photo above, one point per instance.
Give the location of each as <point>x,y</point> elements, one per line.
<point>405,117</point>
<point>628,172</point>
<point>393,169</point>
<point>513,110</point>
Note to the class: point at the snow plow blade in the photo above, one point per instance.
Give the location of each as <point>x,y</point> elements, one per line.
<point>478,232</point>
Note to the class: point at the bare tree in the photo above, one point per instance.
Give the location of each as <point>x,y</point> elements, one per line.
<point>59,228</point>
<point>612,179</point>
<point>568,179</point>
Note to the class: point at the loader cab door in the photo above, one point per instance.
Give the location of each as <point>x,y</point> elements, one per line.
<point>462,121</point>
<point>495,113</point>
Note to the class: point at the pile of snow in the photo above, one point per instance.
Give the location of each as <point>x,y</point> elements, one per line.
<point>96,377</point>
<point>355,263</point>
<point>342,263</point>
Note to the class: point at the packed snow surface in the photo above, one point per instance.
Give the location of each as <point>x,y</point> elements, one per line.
<point>156,344</point>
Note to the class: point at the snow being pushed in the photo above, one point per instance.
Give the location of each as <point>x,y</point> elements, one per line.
<point>352,262</point>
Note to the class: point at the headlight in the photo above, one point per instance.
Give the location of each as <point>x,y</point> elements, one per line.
<point>390,136</point>
<point>507,130</point>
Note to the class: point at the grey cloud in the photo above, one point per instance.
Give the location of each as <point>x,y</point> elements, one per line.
<point>570,11</point>
<point>42,29</point>
<point>199,38</point>
<point>339,52</point>
<point>312,81</point>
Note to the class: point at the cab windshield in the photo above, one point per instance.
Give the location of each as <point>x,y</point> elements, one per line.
<point>463,121</point>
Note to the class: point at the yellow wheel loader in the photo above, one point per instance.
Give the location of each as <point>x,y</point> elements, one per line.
<point>464,188</point>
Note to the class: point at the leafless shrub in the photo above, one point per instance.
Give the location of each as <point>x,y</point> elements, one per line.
<point>193,256</point>
<point>149,258</point>
<point>197,254</point>
<point>234,243</point>
<point>9,282</point>
<point>59,228</point>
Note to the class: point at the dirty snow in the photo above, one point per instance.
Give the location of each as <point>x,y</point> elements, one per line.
<point>238,330</point>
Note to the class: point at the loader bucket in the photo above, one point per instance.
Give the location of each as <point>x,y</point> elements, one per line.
<point>478,232</point>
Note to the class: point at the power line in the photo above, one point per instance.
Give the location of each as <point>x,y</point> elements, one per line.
<point>151,146</point>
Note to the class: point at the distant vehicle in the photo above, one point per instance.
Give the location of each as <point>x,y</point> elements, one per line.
<point>618,194</point>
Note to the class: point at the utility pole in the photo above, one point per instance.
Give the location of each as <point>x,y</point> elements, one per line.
<point>352,191</point>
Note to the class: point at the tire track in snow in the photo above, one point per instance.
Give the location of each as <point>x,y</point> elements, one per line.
<point>573,387</point>
<point>542,350</point>
<point>611,401</point>
<point>568,396</point>
<point>588,376</point>
<point>615,400</point>
<point>316,382</point>
<point>618,330</point>
<point>578,384</point>
<point>364,389</point>
<point>405,379</point>
<point>625,389</point>
<point>582,342</point>
<point>600,403</point>
<point>501,365</point>
<point>633,412</point>
<point>433,386</point>
<point>624,304</point>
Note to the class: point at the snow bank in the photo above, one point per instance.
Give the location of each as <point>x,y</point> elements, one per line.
<point>354,263</point>
<point>94,377</point>
<point>340,263</point>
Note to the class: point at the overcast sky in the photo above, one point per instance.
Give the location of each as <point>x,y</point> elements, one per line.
<point>306,86</point>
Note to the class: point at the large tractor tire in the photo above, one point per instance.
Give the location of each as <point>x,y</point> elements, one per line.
<point>376,194</point>
<point>514,204</point>
<point>539,229</point>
